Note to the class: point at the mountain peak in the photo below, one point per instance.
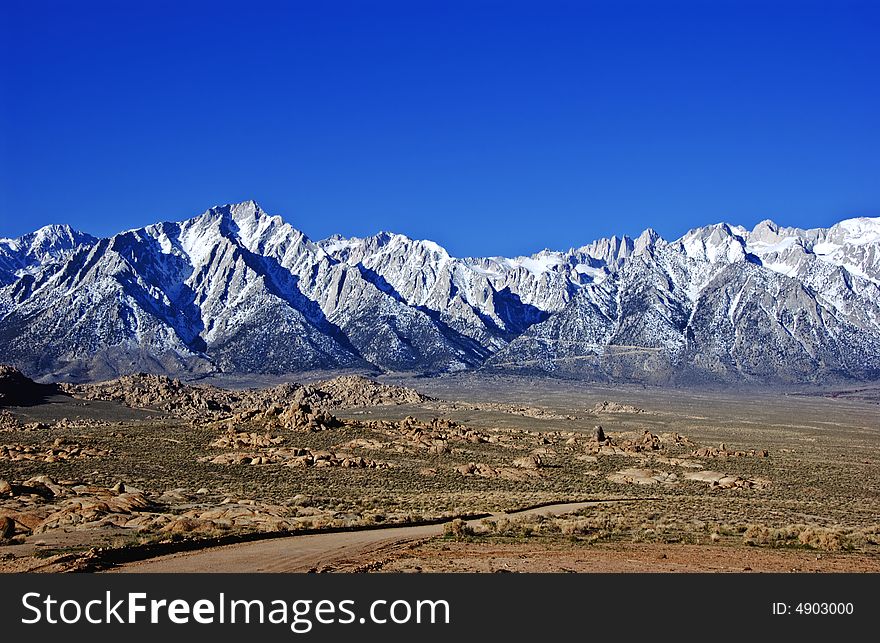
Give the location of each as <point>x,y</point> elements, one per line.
<point>766,232</point>
<point>647,239</point>
<point>238,289</point>
<point>247,210</point>
<point>715,242</point>
<point>858,231</point>
<point>50,240</point>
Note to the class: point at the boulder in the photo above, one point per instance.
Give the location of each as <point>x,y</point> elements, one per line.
<point>7,527</point>
<point>529,462</point>
<point>45,483</point>
<point>642,477</point>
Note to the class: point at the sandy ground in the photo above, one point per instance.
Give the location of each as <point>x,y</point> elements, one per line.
<point>305,553</point>
<point>444,556</point>
<point>421,549</point>
<point>818,470</point>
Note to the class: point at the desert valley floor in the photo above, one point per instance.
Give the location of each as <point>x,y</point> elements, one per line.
<point>456,473</point>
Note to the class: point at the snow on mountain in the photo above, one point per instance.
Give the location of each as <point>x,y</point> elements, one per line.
<point>48,244</point>
<point>492,299</point>
<point>232,289</point>
<point>235,289</point>
<point>723,303</point>
<point>715,243</point>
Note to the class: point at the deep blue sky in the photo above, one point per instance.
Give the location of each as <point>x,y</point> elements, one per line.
<point>490,127</point>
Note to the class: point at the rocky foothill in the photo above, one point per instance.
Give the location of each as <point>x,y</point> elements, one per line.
<point>640,476</point>
<point>723,452</point>
<point>42,506</point>
<point>650,448</point>
<point>714,479</point>
<point>727,481</point>
<point>283,426</point>
<point>60,450</point>
<point>145,391</point>
<point>350,391</point>
<point>514,473</point>
<point>437,433</point>
<point>607,407</point>
<point>512,409</point>
<point>435,436</point>
<point>240,439</point>
<point>628,444</point>
<point>254,448</point>
<point>10,423</point>
<point>204,401</point>
<point>294,417</point>
<point>296,457</point>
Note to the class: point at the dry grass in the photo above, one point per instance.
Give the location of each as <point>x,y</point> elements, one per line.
<point>823,464</point>
<point>665,522</point>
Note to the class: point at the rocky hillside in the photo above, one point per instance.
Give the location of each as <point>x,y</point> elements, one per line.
<point>198,401</point>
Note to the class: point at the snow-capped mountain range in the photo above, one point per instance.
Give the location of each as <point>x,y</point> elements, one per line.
<point>237,290</point>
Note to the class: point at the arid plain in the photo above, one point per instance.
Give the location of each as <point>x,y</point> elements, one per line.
<point>432,474</point>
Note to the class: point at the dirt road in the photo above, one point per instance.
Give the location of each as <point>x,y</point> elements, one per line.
<point>303,553</point>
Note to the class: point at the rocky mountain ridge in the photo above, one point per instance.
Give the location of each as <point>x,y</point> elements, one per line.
<point>237,290</point>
